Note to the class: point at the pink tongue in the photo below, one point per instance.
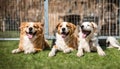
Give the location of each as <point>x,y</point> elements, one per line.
<point>63,36</point>
<point>83,35</point>
<point>29,35</point>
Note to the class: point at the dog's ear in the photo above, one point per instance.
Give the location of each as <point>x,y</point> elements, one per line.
<point>42,24</point>
<point>22,25</point>
<point>72,26</point>
<point>58,25</point>
<point>95,27</point>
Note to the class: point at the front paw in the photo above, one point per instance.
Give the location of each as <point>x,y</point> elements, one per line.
<point>79,54</point>
<point>29,51</point>
<point>67,51</point>
<point>101,53</point>
<point>16,51</point>
<point>51,54</point>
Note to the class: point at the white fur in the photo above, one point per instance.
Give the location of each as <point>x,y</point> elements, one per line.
<point>84,43</point>
<point>61,46</point>
<point>27,46</point>
<point>113,42</point>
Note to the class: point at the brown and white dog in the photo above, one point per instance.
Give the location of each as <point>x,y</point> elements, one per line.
<point>66,40</point>
<point>88,40</point>
<point>31,38</point>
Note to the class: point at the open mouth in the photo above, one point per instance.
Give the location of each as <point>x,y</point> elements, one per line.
<point>85,33</point>
<point>64,34</point>
<point>30,34</point>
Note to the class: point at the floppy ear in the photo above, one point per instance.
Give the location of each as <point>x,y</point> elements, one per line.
<point>42,24</point>
<point>22,25</point>
<point>58,25</point>
<point>95,27</point>
<point>73,27</point>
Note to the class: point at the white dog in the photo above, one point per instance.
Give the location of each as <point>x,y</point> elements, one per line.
<point>112,42</point>
<point>88,40</point>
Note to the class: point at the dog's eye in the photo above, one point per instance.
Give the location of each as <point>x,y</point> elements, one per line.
<point>60,25</point>
<point>27,26</point>
<point>67,26</point>
<point>34,26</point>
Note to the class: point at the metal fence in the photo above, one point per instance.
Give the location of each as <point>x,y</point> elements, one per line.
<point>106,13</point>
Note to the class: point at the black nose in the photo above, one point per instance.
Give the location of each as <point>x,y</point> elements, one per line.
<point>63,29</point>
<point>82,26</point>
<point>30,29</point>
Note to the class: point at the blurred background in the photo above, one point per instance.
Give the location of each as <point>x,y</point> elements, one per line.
<point>106,13</point>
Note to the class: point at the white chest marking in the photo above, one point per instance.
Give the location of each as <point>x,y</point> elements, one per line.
<point>27,44</point>
<point>60,43</point>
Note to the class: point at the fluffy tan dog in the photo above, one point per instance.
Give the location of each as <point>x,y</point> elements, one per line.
<point>31,38</point>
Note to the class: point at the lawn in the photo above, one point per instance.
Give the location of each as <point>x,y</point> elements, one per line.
<point>41,60</point>
<point>9,34</point>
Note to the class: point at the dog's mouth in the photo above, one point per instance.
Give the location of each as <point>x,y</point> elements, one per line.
<point>31,34</point>
<point>64,34</point>
<point>85,33</point>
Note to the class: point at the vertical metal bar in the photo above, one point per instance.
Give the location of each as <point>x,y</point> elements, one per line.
<point>46,18</point>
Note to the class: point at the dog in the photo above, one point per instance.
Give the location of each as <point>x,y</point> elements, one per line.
<point>112,42</point>
<point>66,40</point>
<point>31,38</point>
<point>88,40</point>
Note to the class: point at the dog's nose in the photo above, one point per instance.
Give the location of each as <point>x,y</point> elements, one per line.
<point>30,29</point>
<point>82,26</point>
<point>63,29</point>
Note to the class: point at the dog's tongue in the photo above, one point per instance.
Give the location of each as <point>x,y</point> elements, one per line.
<point>63,36</point>
<point>29,35</point>
<point>84,35</point>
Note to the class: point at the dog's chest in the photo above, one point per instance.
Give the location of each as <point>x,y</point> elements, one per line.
<point>60,43</point>
<point>27,44</point>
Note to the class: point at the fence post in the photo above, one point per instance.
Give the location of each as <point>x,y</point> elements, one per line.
<point>46,18</point>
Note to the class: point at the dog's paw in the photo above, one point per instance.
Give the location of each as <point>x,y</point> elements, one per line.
<point>51,54</point>
<point>102,53</point>
<point>79,54</point>
<point>119,48</point>
<point>16,51</point>
<point>29,51</point>
<point>66,51</point>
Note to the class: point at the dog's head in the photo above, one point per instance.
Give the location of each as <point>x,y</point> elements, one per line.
<point>65,29</point>
<point>31,29</point>
<point>88,28</point>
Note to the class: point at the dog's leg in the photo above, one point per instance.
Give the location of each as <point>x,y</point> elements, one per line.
<point>31,50</point>
<point>87,48</point>
<point>110,46</point>
<point>100,51</point>
<point>80,51</point>
<point>53,51</point>
<point>16,51</point>
<point>116,45</point>
<point>67,50</point>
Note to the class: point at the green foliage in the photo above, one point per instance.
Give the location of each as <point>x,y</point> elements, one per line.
<point>41,60</point>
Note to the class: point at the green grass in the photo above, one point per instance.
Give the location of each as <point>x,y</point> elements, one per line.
<point>9,34</point>
<point>41,60</point>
